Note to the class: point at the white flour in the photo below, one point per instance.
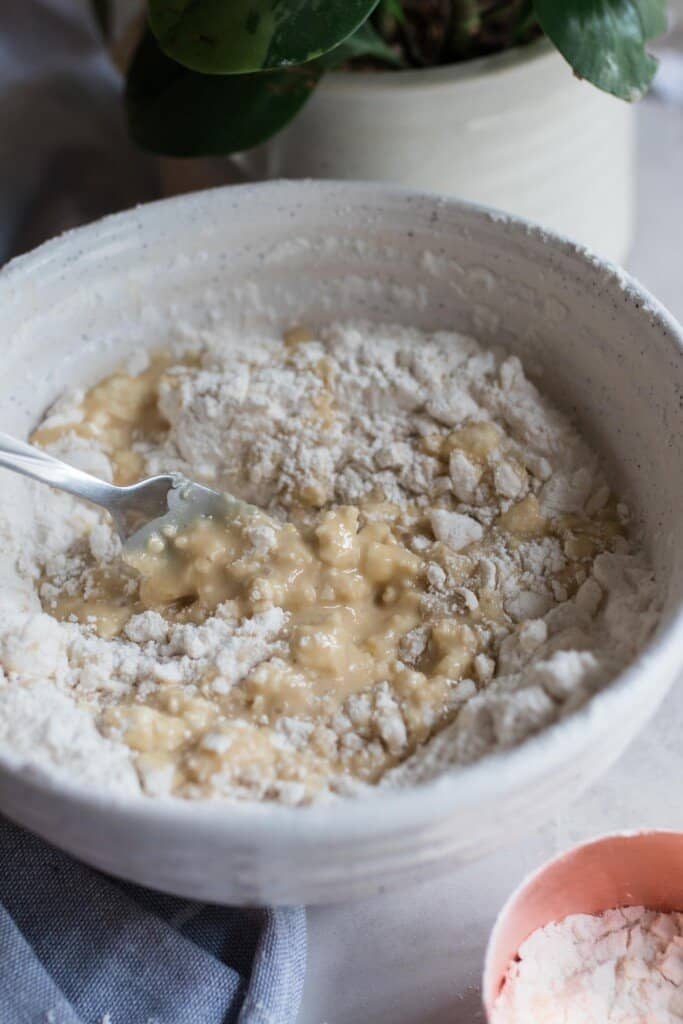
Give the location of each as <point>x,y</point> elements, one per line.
<point>241,423</point>
<point>620,967</point>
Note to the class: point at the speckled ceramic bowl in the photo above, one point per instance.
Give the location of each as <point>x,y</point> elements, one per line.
<point>307,251</point>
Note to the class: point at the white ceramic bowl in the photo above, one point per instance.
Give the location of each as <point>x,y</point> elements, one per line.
<point>310,252</point>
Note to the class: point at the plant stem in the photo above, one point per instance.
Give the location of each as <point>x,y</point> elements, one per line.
<point>431,32</point>
<point>526,23</point>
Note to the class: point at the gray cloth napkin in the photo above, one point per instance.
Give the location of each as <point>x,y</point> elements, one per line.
<point>77,947</point>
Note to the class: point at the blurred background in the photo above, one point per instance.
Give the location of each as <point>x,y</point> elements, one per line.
<point>67,158</point>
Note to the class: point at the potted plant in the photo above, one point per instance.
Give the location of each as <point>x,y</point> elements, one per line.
<point>472,97</point>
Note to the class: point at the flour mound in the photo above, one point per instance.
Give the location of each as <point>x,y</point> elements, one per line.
<point>337,419</point>
<point>619,967</point>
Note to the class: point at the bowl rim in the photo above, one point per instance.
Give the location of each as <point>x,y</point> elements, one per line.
<point>346,820</point>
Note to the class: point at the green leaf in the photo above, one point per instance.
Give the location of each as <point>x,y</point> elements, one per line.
<point>653,17</point>
<point>237,36</point>
<point>179,112</point>
<point>393,8</point>
<point>604,40</point>
<point>365,42</point>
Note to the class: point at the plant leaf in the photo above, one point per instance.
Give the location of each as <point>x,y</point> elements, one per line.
<point>653,17</point>
<point>179,112</point>
<point>604,40</point>
<point>394,9</point>
<point>239,36</point>
<point>365,42</point>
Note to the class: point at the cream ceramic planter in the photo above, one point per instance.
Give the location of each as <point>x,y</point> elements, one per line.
<point>516,131</point>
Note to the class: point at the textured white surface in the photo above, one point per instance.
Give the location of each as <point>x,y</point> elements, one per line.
<point>415,957</point>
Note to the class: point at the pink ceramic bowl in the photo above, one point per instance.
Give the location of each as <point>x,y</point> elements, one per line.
<point>631,869</point>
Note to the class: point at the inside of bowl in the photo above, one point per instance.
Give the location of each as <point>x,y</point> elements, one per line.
<point>311,253</point>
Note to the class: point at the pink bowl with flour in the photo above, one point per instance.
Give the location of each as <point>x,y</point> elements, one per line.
<point>624,870</point>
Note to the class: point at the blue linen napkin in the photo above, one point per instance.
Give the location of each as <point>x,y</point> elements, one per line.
<point>78,947</point>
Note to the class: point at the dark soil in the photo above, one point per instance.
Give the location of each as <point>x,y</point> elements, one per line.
<point>448,31</point>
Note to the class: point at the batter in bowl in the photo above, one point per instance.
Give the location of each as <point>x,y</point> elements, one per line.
<point>438,570</point>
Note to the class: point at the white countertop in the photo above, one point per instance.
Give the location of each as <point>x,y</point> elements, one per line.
<point>414,956</point>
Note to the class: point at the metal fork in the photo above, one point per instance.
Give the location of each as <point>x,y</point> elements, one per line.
<point>137,510</point>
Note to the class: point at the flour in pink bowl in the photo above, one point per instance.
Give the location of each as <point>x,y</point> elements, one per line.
<point>624,966</point>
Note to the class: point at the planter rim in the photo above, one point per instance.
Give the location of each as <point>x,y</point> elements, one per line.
<point>443,74</point>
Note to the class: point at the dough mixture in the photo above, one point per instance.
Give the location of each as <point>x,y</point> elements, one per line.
<point>435,568</point>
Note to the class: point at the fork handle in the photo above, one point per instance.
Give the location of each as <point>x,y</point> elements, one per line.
<point>24,458</point>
